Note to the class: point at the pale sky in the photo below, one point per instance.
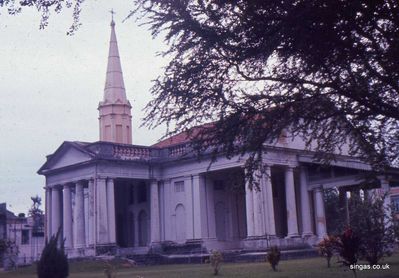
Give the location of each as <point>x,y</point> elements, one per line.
<point>51,83</point>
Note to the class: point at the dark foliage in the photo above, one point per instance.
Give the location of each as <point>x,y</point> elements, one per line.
<point>45,7</point>
<point>53,262</point>
<point>216,259</point>
<point>273,257</point>
<point>348,247</point>
<point>335,212</point>
<point>327,247</point>
<point>324,70</point>
<point>374,226</point>
<point>38,216</point>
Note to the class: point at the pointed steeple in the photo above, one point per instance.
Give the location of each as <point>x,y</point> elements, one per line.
<point>115,109</point>
<point>114,90</point>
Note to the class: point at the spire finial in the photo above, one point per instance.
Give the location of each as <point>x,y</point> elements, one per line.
<point>112,17</point>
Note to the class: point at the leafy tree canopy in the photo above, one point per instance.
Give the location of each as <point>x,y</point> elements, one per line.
<point>328,70</point>
<point>45,7</point>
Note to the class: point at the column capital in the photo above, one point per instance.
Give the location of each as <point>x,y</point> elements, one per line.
<point>109,179</point>
<point>56,187</point>
<point>303,167</point>
<point>266,166</point>
<point>101,178</point>
<point>289,167</point>
<point>166,181</point>
<point>81,182</point>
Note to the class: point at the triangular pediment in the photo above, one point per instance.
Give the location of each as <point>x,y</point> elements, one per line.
<point>68,154</point>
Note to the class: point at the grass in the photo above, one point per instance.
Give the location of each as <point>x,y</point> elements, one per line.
<point>312,268</point>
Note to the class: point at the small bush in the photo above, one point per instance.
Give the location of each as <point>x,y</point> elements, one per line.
<point>9,254</point>
<point>53,262</point>
<point>110,270</point>
<point>273,257</point>
<point>326,248</point>
<point>374,225</point>
<point>216,258</point>
<point>348,247</point>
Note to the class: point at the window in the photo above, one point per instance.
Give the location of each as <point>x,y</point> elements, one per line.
<point>218,185</point>
<point>25,237</point>
<point>395,203</point>
<point>142,193</point>
<point>179,186</point>
<point>107,133</point>
<point>131,195</point>
<point>119,133</point>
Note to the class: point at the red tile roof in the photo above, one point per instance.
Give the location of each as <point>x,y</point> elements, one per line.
<point>182,137</point>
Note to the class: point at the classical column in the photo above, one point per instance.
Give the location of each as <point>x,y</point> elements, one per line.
<point>249,203</point>
<point>155,220</point>
<point>199,205</point>
<point>258,207</point>
<point>292,222</point>
<point>79,227</point>
<point>305,205</point>
<point>48,212</point>
<point>92,215</point>
<point>269,203</point>
<point>55,210</point>
<point>111,210</point>
<point>168,193</point>
<point>189,208</point>
<point>387,198</point>
<point>343,204</point>
<point>67,224</point>
<point>211,208</point>
<point>102,215</point>
<point>320,213</point>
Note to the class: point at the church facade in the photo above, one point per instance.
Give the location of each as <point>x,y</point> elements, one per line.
<point>112,196</point>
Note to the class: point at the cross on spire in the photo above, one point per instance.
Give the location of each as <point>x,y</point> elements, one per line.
<point>112,17</point>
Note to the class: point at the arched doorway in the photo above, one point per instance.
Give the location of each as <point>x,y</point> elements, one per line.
<point>180,223</point>
<point>143,228</point>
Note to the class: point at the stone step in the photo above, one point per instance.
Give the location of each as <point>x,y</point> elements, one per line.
<point>229,256</point>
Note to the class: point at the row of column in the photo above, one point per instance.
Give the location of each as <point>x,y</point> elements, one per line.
<point>69,215</point>
<point>260,206</point>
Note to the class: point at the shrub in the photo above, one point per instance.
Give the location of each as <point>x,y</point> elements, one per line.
<point>348,247</point>
<point>9,254</point>
<point>335,212</point>
<point>326,248</point>
<point>273,257</point>
<point>53,262</point>
<point>110,270</point>
<point>216,258</point>
<point>374,225</point>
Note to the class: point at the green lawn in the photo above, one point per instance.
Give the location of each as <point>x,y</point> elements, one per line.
<point>314,268</point>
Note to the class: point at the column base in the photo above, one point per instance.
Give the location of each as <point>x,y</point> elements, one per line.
<point>155,247</point>
<point>321,237</point>
<point>103,249</point>
<point>292,236</point>
<point>307,234</point>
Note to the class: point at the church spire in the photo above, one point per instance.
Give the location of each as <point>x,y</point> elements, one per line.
<point>115,115</point>
<point>114,86</point>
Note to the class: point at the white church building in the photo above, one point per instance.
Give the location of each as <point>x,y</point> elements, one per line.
<point>112,196</point>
